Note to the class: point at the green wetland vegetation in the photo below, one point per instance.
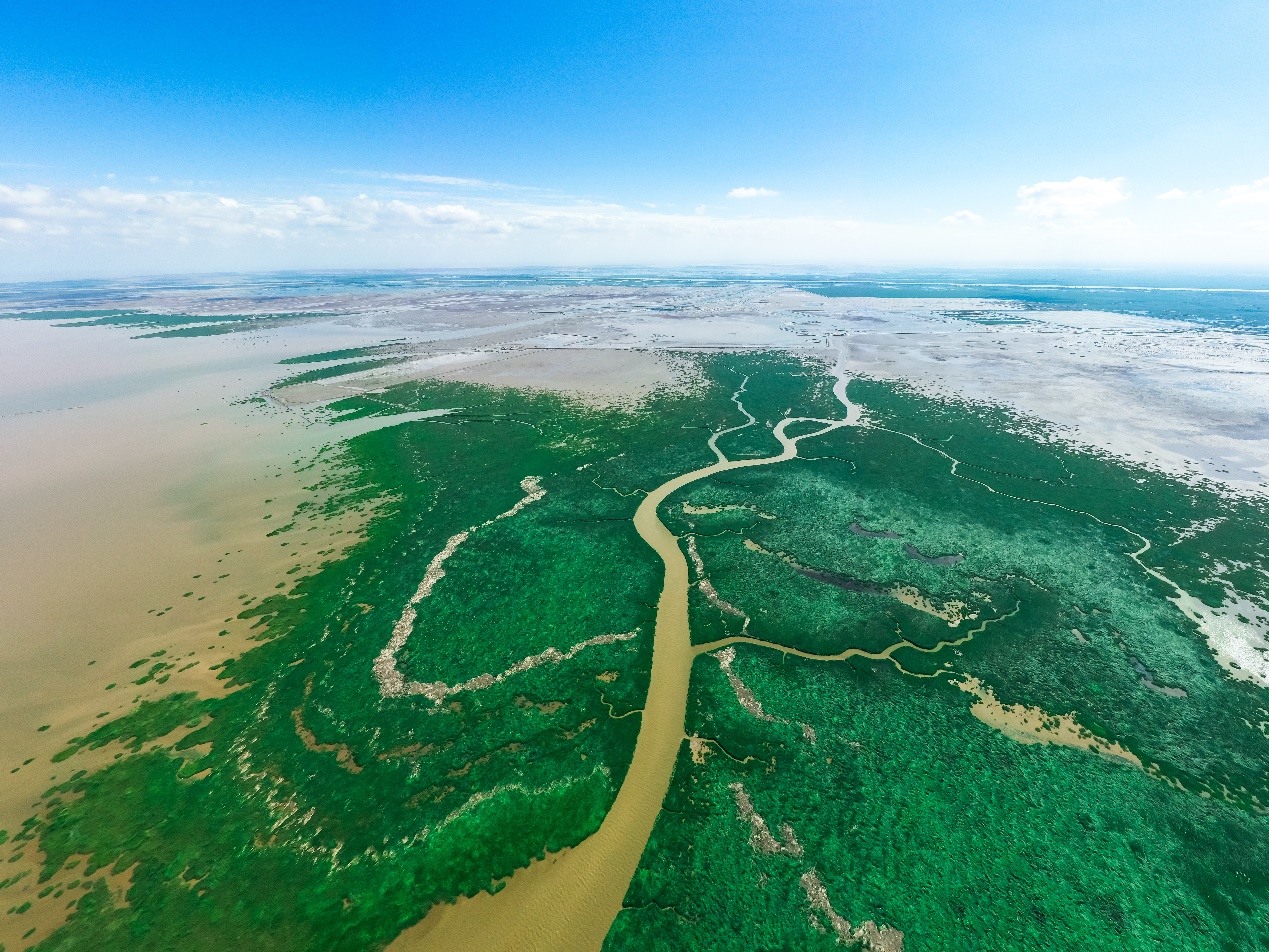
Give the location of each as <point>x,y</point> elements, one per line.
<point>815,803</point>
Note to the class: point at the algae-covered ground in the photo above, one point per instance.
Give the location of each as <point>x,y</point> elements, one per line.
<point>1041,753</point>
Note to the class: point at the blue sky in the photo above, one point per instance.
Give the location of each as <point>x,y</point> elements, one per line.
<point>140,137</point>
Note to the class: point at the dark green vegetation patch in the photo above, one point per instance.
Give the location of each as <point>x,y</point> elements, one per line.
<point>340,370</point>
<point>347,353</point>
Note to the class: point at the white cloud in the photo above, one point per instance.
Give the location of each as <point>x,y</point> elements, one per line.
<point>1171,195</point>
<point>66,232</point>
<point>452,214</point>
<point>106,197</point>
<point>426,179</point>
<point>1081,197</point>
<point>25,197</point>
<point>749,192</point>
<point>111,214</point>
<point>430,214</point>
<point>1257,193</point>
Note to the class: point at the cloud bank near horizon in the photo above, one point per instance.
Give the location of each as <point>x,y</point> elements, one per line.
<point>67,232</point>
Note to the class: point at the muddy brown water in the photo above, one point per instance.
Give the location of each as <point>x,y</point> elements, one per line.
<point>128,468</point>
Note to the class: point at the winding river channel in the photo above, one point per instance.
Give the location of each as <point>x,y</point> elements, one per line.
<point>568,901</point>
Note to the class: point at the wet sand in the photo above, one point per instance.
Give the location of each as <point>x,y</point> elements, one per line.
<point>1189,398</point>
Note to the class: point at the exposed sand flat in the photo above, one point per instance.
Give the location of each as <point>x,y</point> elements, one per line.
<point>1190,399</point>
<point>1237,632</point>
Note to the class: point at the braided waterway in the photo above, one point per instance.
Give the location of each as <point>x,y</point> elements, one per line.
<point>567,902</point>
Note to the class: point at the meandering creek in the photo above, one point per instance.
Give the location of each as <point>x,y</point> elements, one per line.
<point>568,901</point>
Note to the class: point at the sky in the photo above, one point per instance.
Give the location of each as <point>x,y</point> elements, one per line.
<point>143,138</point>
